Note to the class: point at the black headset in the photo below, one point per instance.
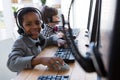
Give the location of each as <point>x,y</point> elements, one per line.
<point>50,19</point>
<point>22,11</point>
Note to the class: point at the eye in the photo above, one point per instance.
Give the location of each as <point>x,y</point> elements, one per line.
<point>29,24</point>
<point>37,22</point>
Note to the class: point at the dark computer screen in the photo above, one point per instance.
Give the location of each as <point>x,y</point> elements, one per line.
<point>90,14</point>
<point>92,62</point>
<point>110,39</point>
<point>114,53</point>
<point>92,22</point>
<point>86,63</point>
<point>95,23</point>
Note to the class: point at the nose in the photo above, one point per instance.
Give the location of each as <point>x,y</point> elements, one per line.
<point>36,26</point>
<point>58,17</point>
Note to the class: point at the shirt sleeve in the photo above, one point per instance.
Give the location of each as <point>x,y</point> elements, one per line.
<point>17,59</point>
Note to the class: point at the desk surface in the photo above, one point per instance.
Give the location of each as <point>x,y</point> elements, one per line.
<point>75,72</point>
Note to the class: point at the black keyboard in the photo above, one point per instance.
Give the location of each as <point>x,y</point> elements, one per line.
<point>53,77</point>
<point>66,54</point>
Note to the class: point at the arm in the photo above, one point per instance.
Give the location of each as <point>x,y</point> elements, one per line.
<point>19,58</point>
<point>52,40</point>
<point>22,58</point>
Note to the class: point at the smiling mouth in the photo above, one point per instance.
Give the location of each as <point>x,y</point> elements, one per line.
<point>35,32</point>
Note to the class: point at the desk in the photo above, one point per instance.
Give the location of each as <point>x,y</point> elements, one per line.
<point>75,72</point>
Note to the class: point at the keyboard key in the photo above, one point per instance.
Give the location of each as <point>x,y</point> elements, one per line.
<point>53,77</point>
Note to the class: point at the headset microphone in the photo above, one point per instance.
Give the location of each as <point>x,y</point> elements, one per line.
<point>26,34</point>
<point>29,35</point>
<point>55,21</point>
<point>51,20</point>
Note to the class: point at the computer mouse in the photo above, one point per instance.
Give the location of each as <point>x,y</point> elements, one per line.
<point>64,67</point>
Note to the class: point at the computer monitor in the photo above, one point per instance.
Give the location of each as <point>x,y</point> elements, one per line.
<point>90,15</point>
<point>92,62</point>
<point>93,31</point>
<point>114,53</point>
<point>103,59</point>
<point>86,18</point>
<point>86,63</point>
<point>110,39</point>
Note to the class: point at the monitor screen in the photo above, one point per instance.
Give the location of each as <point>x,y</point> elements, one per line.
<point>91,16</point>
<point>86,63</point>
<point>82,17</point>
<point>78,14</point>
<point>109,38</point>
<point>105,51</point>
<point>93,27</point>
<point>89,62</point>
<point>114,52</point>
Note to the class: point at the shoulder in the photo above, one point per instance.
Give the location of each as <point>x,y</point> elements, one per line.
<point>21,41</point>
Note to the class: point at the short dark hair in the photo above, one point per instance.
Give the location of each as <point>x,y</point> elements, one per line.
<point>48,12</point>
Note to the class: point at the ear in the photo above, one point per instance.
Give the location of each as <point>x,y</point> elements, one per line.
<point>20,31</point>
<point>42,25</point>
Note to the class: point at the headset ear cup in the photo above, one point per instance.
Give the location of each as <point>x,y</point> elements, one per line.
<point>42,25</point>
<point>20,31</point>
